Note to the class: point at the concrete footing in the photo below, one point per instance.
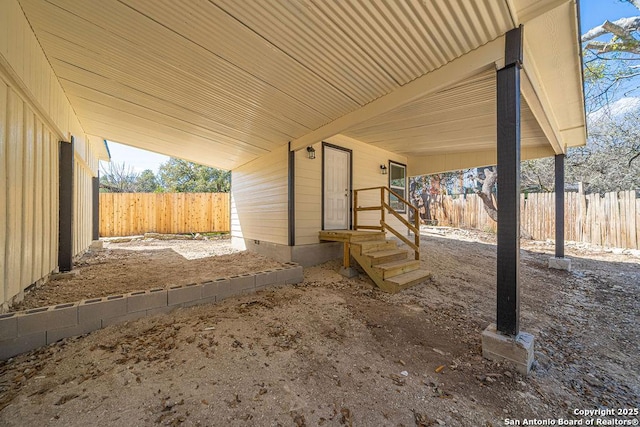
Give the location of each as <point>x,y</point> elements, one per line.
<point>517,350</point>
<point>349,272</point>
<point>96,245</point>
<point>560,263</point>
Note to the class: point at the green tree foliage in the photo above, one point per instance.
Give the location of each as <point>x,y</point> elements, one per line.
<point>147,182</point>
<point>181,176</point>
<point>174,176</point>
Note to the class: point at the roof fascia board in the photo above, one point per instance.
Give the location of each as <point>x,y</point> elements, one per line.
<point>539,105</point>
<point>538,8</point>
<point>460,68</point>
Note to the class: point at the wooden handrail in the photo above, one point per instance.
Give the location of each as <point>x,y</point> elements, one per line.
<point>384,206</point>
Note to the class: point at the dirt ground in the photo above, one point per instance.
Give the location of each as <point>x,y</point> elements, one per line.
<point>145,264</point>
<point>334,351</point>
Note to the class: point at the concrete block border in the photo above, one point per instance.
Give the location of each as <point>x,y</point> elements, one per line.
<point>23,331</point>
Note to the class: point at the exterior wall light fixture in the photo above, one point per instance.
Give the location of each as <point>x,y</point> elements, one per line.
<point>311,152</point>
<point>383,169</point>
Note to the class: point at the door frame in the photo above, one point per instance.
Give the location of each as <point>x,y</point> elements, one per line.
<point>349,208</point>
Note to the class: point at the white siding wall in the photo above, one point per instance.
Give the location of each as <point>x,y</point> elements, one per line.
<point>366,173</point>
<point>34,115</point>
<point>259,199</point>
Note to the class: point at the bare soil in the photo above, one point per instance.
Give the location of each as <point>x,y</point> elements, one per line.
<point>336,351</point>
<point>137,265</point>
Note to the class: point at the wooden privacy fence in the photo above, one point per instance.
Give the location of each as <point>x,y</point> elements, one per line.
<point>128,214</point>
<point>612,220</point>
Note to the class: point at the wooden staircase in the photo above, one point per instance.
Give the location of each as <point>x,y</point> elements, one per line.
<point>390,267</point>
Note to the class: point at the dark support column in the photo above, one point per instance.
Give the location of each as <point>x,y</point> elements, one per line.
<point>292,196</point>
<point>508,115</point>
<point>95,181</point>
<point>560,206</point>
<point>65,216</point>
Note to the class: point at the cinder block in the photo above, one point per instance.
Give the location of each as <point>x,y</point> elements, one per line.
<point>102,308</point>
<point>200,301</point>
<point>517,350</point>
<point>183,294</point>
<point>266,278</point>
<point>56,335</point>
<point>14,346</point>
<point>161,310</point>
<point>210,300</point>
<point>8,326</point>
<point>242,282</point>
<point>146,300</point>
<point>290,275</point>
<point>280,275</point>
<point>125,318</point>
<point>225,289</point>
<point>212,288</point>
<point>45,318</point>
<point>296,275</point>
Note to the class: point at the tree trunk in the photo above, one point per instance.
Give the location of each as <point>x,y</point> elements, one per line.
<point>490,178</point>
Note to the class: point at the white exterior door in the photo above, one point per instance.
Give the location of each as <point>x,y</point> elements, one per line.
<point>337,185</point>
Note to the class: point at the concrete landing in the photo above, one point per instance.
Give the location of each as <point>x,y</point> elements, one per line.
<point>517,350</point>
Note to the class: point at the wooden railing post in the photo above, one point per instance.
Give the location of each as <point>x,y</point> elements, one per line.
<point>355,209</point>
<point>382,219</point>
<point>416,220</point>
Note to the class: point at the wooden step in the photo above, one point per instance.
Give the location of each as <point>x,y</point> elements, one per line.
<point>406,280</point>
<point>350,235</point>
<point>368,236</point>
<point>373,246</point>
<point>390,255</point>
<point>395,268</point>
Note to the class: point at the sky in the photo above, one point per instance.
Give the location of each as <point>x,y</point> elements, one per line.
<point>593,13</point>
<point>137,159</point>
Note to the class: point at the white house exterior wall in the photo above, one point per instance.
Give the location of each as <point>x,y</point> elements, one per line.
<point>366,161</point>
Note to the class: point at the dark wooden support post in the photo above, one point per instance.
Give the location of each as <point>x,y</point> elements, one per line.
<point>291,217</point>
<point>559,206</point>
<point>95,183</point>
<point>508,122</point>
<point>65,213</point>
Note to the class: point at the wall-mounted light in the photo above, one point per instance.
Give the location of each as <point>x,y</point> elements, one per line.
<point>311,152</point>
<point>383,169</point>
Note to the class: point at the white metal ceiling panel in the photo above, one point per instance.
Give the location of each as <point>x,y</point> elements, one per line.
<point>234,79</point>
<point>460,118</point>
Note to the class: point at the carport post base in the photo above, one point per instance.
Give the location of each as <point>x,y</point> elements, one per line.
<point>349,272</point>
<point>96,245</point>
<point>517,350</point>
<point>560,263</point>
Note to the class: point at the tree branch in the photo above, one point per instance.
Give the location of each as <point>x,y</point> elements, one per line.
<point>619,31</point>
<point>602,47</point>
<point>625,26</point>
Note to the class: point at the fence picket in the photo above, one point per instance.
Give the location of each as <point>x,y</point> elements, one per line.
<point>612,220</point>
<point>126,214</point>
